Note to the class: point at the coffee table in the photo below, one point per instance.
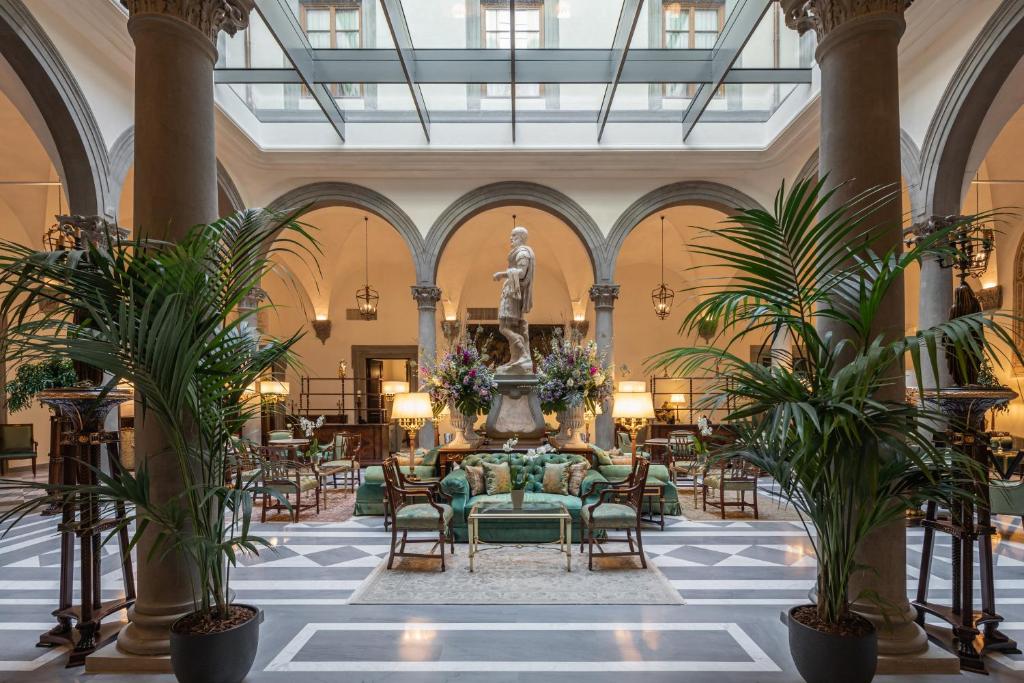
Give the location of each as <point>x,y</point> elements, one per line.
<point>502,511</point>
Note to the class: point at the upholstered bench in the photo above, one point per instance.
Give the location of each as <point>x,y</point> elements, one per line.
<point>456,485</point>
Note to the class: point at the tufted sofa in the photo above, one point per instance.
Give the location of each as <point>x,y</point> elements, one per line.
<point>456,486</point>
<point>656,473</point>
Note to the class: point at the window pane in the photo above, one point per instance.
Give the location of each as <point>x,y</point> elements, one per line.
<point>527,20</point>
<point>346,19</point>
<point>491,20</point>
<point>319,39</point>
<point>706,20</point>
<point>677,19</point>
<point>677,41</point>
<point>705,41</point>
<point>318,20</point>
<point>348,39</point>
<point>527,90</point>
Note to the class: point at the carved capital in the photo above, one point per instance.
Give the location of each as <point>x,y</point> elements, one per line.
<point>208,16</point>
<point>75,231</point>
<point>426,297</point>
<point>931,225</point>
<point>256,296</point>
<point>824,16</point>
<point>604,295</point>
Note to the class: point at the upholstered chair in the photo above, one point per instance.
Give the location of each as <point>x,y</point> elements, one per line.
<point>340,459</point>
<point>17,443</point>
<point>288,478</point>
<point>618,508</point>
<point>407,514</point>
<point>734,475</point>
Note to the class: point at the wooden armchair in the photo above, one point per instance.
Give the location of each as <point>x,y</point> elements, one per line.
<point>408,515</point>
<point>17,442</point>
<point>340,458</point>
<point>288,478</point>
<point>732,474</point>
<point>624,514</point>
<point>685,465</point>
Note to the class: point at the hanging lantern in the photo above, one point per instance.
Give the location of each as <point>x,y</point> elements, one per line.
<point>662,295</point>
<point>366,296</point>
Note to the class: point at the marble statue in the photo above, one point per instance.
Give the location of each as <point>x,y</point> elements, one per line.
<point>516,302</point>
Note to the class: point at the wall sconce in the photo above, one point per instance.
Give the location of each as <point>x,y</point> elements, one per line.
<point>322,328</point>
<point>450,330</point>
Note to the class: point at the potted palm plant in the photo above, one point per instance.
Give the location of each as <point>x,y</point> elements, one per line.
<point>848,457</point>
<point>168,318</point>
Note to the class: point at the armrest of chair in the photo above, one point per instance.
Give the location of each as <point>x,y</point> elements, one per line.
<point>456,487</point>
<point>591,484</point>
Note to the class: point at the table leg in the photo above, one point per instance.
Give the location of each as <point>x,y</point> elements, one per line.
<point>567,542</point>
<point>472,542</point>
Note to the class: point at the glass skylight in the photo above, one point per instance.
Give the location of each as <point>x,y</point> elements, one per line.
<point>556,62</point>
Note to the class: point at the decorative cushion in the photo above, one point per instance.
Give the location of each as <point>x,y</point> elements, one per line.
<point>339,465</point>
<point>422,516</point>
<point>306,483</point>
<point>429,457</point>
<point>621,460</point>
<point>610,516</point>
<point>603,456</point>
<point>475,477</point>
<point>278,434</point>
<point>556,478</point>
<point>498,477</point>
<point>576,474</point>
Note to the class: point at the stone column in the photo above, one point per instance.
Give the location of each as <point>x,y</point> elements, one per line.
<point>858,42</point>
<point>426,297</point>
<point>935,298</point>
<point>252,429</point>
<point>604,295</point>
<point>175,188</point>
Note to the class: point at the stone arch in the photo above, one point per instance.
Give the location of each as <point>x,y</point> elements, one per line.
<point>1018,302</point>
<point>910,168</point>
<point>694,192</point>
<point>76,135</point>
<point>325,194</point>
<point>520,193</point>
<point>966,107</point>
<point>122,157</point>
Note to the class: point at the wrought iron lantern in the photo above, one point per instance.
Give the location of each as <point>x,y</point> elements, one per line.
<point>662,295</point>
<point>366,296</point>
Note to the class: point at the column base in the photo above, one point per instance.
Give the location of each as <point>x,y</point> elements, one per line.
<point>148,634</point>
<point>111,660</point>
<point>934,660</point>
<point>900,635</point>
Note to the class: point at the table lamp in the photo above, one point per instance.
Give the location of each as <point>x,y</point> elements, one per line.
<point>632,386</point>
<point>631,411</point>
<point>411,411</point>
<point>677,401</point>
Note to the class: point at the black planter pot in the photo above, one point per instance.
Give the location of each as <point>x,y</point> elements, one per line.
<point>826,658</point>
<point>224,657</point>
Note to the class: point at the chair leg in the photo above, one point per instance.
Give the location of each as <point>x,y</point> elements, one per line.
<point>263,509</point>
<point>721,498</point>
<point>405,537</point>
<point>33,468</point>
<point>629,539</point>
<point>590,538</point>
<point>640,548</point>
<point>583,535</point>
<point>394,542</point>
<point>755,504</point>
<point>440,539</point>
<point>298,507</point>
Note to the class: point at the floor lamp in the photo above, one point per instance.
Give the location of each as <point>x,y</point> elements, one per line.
<point>411,411</point>
<point>632,411</point>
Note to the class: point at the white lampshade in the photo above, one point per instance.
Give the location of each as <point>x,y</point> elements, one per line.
<point>412,406</point>
<point>273,387</point>
<point>632,404</point>
<point>629,386</point>
<point>392,387</point>
<point>677,398</point>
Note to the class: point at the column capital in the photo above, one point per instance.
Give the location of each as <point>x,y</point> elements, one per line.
<point>208,16</point>
<point>426,296</point>
<point>604,295</point>
<point>255,297</point>
<point>824,16</point>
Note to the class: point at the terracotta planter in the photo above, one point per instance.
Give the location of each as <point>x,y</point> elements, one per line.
<point>816,654</point>
<point>571,425</point>
<point>224,657</point>
<point>465,435</point>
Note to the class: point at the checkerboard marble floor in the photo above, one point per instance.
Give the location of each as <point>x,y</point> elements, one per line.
<point>735,576</point>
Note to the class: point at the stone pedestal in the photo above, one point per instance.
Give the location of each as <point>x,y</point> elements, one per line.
<point>515,410</point>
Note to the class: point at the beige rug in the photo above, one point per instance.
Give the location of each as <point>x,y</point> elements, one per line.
<point>340,504</point>
<point>531,575</point>
<point>768,509</point>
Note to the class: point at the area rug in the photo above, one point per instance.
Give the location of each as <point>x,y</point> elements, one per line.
<point>340,504</point>
<point>530,575</point>
<point>768,509</point>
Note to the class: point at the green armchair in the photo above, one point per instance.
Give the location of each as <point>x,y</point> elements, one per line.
<point>618,508</point>
<point>416,507</point>
<point>17,443</point>
<point>340,459</point>
<point>457,486</point>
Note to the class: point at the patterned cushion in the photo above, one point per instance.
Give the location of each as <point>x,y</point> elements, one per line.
<point>556,478</point>
<point>576,474</point>
<point>498,477</point>
<point>475,477</point>
<point>306,483</point>
<point>423,516</point>
<point>610,516</point>
<point>429,457</point>
<point>339,465</point>
<point>621,460</point>
<point>603,456</point>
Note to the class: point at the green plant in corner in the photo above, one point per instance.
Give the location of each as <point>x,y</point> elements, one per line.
<point>169,318</point>
<point>849,458</point>
<point>31,378</point>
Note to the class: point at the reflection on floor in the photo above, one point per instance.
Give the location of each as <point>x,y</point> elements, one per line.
<point>735,577</point>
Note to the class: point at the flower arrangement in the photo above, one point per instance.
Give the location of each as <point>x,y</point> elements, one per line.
<point>461,380</point>
<point>572,375</point>
<point>309,427</point>
<point>704,430</point>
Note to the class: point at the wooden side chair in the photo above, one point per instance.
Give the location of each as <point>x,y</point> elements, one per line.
<point>685,466</point>
<point>339,459</point>
<point>17,442</point>
<point>407,515</point>
<point>288,478</point>
<point>735,475</point>
<point>622,514</point>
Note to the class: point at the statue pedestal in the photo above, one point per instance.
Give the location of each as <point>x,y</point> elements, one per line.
<point>515,410</point>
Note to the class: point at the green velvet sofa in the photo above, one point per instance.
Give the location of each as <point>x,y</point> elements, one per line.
<point>656,473</point>
<point>456,486</point>
<point>370,495</point>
